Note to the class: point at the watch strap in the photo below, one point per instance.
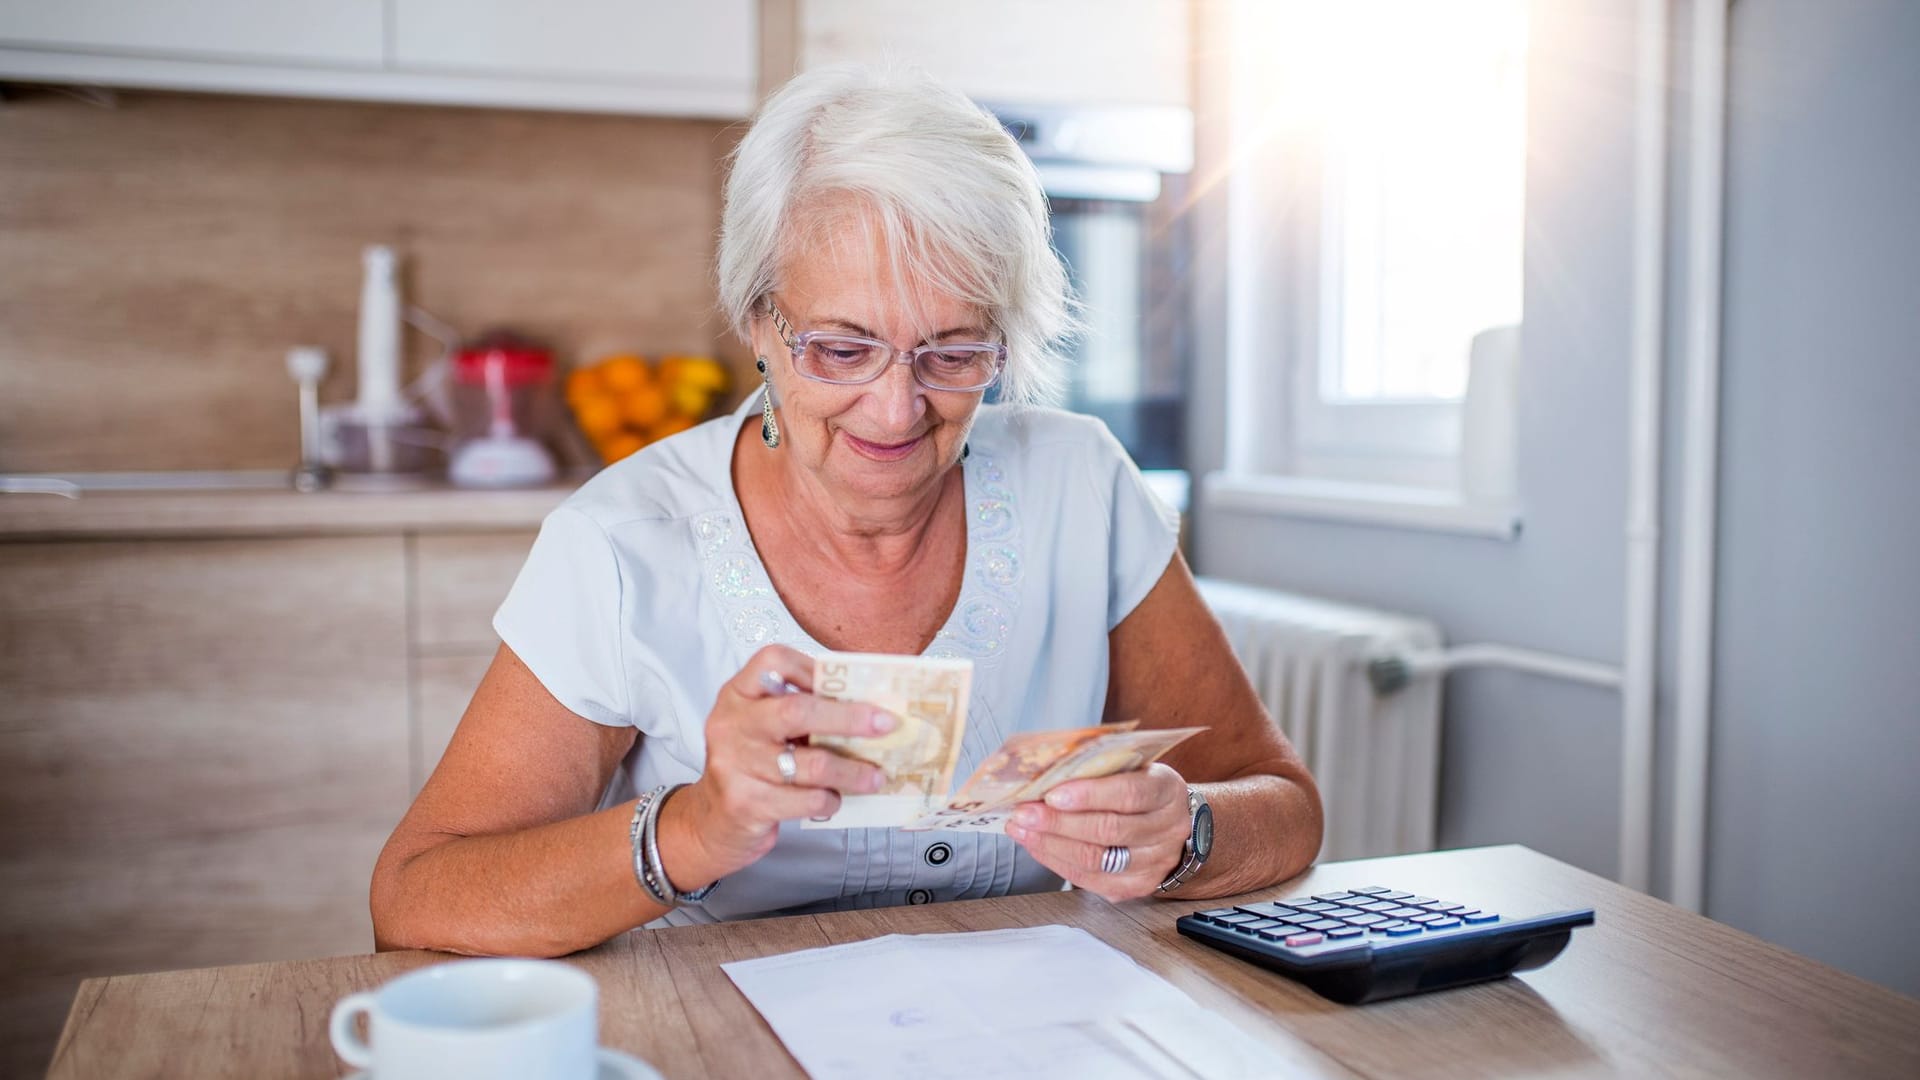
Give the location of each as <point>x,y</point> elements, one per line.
<point>1191,863</point>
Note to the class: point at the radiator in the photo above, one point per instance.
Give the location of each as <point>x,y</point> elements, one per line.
<point>1375,756</point>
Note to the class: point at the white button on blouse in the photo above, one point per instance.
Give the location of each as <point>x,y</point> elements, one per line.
<point>644,594</point>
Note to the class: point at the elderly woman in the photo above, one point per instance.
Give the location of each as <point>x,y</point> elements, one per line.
<point>885,250</point>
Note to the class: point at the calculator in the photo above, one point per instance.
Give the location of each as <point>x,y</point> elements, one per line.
<point>1376,943</point>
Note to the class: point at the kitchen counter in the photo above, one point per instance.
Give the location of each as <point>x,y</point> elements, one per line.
<point>118,515</point>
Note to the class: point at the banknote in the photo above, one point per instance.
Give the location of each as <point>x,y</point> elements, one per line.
<point>1030,764</point>
<point>929,697</point>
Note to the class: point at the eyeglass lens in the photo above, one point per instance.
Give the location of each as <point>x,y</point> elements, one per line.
<point>968,366</point>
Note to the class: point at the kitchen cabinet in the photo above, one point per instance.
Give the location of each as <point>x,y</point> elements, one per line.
<point>459,579</point>
<point>663,57</point>
<point>343,32</point>
<point>639,40</point>
<point>209,738</point>
<point>1015,52</point>
<point>206,746</point>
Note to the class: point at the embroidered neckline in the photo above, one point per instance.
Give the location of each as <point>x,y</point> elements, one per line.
<point>978,627</point>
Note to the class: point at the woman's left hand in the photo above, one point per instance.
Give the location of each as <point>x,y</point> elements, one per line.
<point>1143,811</point>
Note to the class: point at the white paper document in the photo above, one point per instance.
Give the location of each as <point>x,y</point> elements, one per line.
<point>1044,1001</point>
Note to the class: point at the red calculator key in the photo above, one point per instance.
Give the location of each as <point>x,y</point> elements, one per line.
<point>1298,940</point>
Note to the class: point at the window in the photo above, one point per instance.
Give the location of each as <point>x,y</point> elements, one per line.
<point>1376,197</point>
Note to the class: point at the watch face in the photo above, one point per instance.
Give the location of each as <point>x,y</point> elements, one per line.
<point>1203,831</point>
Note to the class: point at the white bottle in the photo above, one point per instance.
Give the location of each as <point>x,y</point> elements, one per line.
<point>380,400</point>
<point>380,406</point>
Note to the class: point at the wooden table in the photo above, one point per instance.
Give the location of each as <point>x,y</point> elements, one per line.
<point>1649,990</point>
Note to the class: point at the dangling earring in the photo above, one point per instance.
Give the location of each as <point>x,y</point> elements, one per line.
<point>966,450</point>
<point>769,431</point>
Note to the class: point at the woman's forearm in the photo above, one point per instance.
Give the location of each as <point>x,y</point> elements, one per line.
<point>543,891</point>
<point>1266,829</point>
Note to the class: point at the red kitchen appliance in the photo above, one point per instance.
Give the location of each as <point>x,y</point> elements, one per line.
<point>502,388</point>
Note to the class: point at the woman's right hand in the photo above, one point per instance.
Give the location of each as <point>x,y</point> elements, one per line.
<point>733,812</point>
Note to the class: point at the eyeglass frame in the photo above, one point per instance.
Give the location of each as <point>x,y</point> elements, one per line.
<point>797,343</point>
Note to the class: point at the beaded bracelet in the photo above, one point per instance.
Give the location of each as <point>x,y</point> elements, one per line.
<point>651,829</point>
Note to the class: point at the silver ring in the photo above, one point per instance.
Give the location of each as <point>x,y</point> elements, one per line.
<point>788,767</point>
<point>1114,860</point>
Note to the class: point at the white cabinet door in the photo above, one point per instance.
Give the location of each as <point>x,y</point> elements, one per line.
<point>338,32</point>
<point>711,42</point>
<point>1025,52</point>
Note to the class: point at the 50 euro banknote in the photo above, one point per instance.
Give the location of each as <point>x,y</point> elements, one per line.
<point>929,698</point>
<point>1032,763</point>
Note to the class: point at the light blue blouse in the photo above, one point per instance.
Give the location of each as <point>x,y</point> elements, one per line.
<point>643,594</point>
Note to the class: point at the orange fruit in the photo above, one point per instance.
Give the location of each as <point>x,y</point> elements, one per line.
<point>644,406</point>
<point>623,373</point>
<point>597,415</point>
<point>689,399</point>
<point>582,383</point>
<point>672,425</point>
<point>615,447</point>
<point>703,371</point>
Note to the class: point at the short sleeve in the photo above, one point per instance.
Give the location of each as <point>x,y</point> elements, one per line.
<point>1142,531</point>
<point>562,618</point>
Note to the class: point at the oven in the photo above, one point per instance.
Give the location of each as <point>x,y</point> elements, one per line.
<point>1116,180</point>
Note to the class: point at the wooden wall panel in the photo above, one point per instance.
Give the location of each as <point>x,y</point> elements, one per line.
<point>160,256</point>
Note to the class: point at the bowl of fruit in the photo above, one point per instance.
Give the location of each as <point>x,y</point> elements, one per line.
<point>622,403</point>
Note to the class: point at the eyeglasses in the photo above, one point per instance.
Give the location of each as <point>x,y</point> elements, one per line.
<point>847,360</point>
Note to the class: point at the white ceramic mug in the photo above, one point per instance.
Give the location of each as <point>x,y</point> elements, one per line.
<point>479,1019</point>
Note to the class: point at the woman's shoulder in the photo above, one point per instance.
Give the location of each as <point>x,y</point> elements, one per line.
<point>679,477</point>
<point>1019,428</point>
<point>1041,443</point>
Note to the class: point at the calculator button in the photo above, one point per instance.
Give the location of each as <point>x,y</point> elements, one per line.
<point>1263,911</point>
<point>1219,912</point>
<point>1478,917</point>
<point>1341,913</point>
<point>1371,890</point>
<point>1261,924</point>
<point>1368,920</point>
<point>1427,918</point>
<point>1420,901</point>
<point>1379,905</point>
<point>1403,929</point>
<point>1324,924</point>
<point>1277,933</point>
<point>1316,906</point>
<point>1298,901</point>
<point>1345,932</point>
<point>1298,940</point>
<point>1443,924</point>
<point>1332,897</point>
<point>1449,909</point>
<point>1396,896</point>
<point>1403,912</point>
<point>1235,917</point>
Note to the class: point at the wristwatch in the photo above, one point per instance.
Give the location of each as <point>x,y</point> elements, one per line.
<point>1199,841</point>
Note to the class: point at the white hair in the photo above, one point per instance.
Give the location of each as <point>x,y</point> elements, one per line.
<point>947,190</point>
